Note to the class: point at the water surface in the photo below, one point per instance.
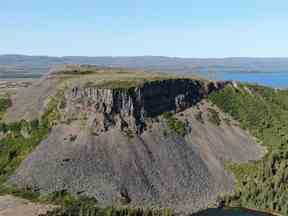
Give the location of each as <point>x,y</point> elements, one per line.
<point>272,79</point>
<point>230,212</point>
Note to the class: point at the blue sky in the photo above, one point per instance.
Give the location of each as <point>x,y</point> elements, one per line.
<point>184,28</point>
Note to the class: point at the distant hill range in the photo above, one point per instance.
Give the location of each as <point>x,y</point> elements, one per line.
<point>21,66</point>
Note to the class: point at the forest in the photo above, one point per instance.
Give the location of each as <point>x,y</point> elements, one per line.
<point>262,111</point>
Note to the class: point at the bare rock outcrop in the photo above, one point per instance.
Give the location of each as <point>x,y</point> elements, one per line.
<point>114,144</point>
<point>129,107</point>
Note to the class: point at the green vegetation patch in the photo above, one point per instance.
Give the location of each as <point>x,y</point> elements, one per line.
<point>5,103</point>
<point>213,117</point>
<point>264,112</point>
<point>19,140</point>
<point>120,84</point>
<point>131,81</point>
<point>53,109</point>
<point>89,207</point>
<point>25,193</point>
<point>175,124</point>
<point>77,72</point>
<point>81,205</point>
<point>80,70</point>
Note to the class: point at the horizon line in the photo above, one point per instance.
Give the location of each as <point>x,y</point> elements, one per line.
<point>139,56</point>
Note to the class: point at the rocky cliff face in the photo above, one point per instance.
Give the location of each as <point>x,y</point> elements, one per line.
<point>129,107</point>
<point>113,144</point>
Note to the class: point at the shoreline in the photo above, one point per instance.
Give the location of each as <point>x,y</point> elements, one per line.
<point>254,210</point>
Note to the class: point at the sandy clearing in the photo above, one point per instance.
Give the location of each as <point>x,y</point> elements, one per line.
<point>13,206</point>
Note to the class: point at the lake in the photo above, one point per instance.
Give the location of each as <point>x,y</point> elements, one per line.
<point>272,79</point>
<point>230,212</point>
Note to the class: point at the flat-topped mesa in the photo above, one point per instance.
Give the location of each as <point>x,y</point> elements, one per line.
<point>134,104</point>
<point>98,145</point>
<point>116,91</point>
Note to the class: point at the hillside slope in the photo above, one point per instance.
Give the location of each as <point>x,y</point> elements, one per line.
<point>144,140</point>
<point>264,111</point>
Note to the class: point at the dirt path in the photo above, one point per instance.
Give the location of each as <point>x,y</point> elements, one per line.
<point>13,206</point>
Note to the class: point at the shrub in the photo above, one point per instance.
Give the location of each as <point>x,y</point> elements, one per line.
<point>213,116</point>
<point>84,208</point>
<point>174,124</point>
<point>14,147</point>
<point>198,117</point>
<point>5,103</point>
